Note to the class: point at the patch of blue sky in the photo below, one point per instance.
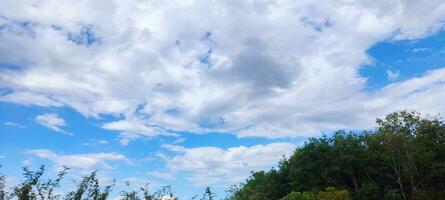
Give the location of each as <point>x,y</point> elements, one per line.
<point>18,27</point>
<point>403,59</point>
<point>207,36</point>
<point>12,66</point>
<point>205,58</point>
<point>5,91</point>
<point>173,111</point>
<point>318,25</point>
<point>211,122</point>
<point>86,36</point>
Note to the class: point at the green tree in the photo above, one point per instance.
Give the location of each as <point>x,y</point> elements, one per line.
<point>208,194</point>
<point>3,193</point>
<point>299,196</point>
<point>403,158</point>
<point>89,189</point>
<point>129,195</point>
<point>34,187</point>
<point>333,194</point>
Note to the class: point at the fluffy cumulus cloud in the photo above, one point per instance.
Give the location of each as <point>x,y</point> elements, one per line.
<point>252,68</point>
<point>52,121</point>
<point>83,162</point>
<point>205,166</point>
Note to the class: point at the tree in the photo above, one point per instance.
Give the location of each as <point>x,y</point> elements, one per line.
<point>129,195</point>
<point>89,189</point>
<point>403,158</point>
<point>208,194</point>
<point>3,193</point>
<point>35,188</point>
<point>333,194</point>
<point>299,196</point>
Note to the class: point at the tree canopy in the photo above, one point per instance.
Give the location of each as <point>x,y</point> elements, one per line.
<point>403,158</point>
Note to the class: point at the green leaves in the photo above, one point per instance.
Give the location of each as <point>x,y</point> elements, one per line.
<point>403,158</point>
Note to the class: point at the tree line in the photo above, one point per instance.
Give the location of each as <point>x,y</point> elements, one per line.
<point>402,159</point>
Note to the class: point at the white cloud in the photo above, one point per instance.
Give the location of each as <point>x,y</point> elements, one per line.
<point>95,142</point>
<point>26,162</point>
<point>392,75</point>
<point>52,121</point>
<point>253,68</point>
<point>84,162</point>
<point>423,94</point>
<point>14,124</point>
<point>162,175</point>
<point>206,166</point>
<point>27,98</point>
<point>134,128</point>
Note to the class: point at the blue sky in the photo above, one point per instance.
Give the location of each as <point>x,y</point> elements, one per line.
<point>200,93</point>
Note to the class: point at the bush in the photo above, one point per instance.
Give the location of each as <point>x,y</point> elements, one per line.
<point>333,194</point>
<point>299,196</point>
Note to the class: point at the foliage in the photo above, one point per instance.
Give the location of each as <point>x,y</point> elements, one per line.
<point>146,195</point>
<point>299,196</point>
<point>208,194</point>
<point>34,187</point>
<point>333,194</point>
<point>89,188</point>
<point>403,158</point>
<point>3,193</point>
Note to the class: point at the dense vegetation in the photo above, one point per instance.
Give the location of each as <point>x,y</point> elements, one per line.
<point>404,158</point>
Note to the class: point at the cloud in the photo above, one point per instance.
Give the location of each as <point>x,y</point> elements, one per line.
<point>27,98</point>
<point>52,121</point>
<point>206,166</point>
<point>132,129</point>
<point>392,75</point>
<point>94,142</point>
<point>14,124</point>
<point>162,175</point>
<point>251,68</point>
<point>420,93</point>
<point>26,162</point>
<point>84,162</point>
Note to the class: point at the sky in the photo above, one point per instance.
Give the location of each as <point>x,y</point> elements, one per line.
<point>194,93</point>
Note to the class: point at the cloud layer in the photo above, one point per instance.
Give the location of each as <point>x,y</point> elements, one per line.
<point>251,68</point>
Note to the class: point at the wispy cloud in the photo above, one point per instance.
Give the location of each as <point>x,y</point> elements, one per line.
<point>392,75</point>
<point>95,142</point>
<point>14,124</point>
<point>53,122</point>
<point>85,162</point>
